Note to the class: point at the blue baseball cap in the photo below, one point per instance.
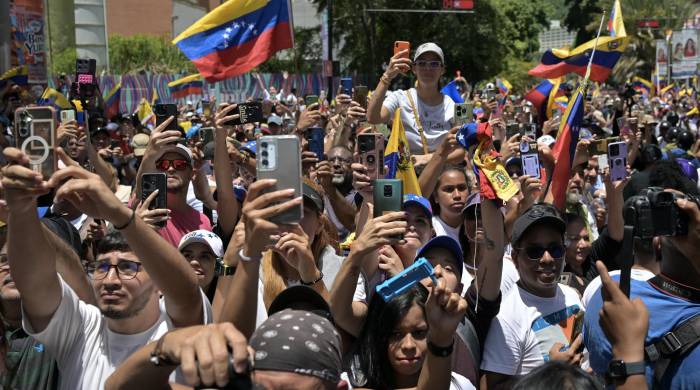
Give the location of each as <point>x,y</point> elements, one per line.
<point>448,243</point>
<point>413,199</point>
<point>250,146</point>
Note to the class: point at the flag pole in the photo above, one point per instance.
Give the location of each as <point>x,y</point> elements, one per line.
<point>590,60</point>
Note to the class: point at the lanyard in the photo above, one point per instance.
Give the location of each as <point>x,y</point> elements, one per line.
<point>670,287</point>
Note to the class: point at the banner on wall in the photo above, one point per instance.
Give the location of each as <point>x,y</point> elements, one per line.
<point>28,38</point>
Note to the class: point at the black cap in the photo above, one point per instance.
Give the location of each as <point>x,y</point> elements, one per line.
<point>539,213</point>
<point>300,298</point>
<point>312,195</point>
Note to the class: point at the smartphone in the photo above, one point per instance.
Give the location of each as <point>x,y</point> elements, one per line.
<point>165,111</point>
<point>67,116</point>
<point>512,128</point>
<point>250,112</point>
<point>316,136</point>
<point>388,195</point>
<point>206,108</point>
<point>617,159</point>
<point>402,45</point>
<point>530,159</point>
<point>35,136</point>
<point>397,285</point>
<point>489,94</point>
<point>360,95</point>
<point>85,76</point>
<point>279,158</point>
<point>600,146</point>
<point>462,114</point>
<point>150,182</point>
<point>310,99</point>
<point>370,147</point>
<point>529,130</point>
<point>346,85</point>
<point>206,135</point>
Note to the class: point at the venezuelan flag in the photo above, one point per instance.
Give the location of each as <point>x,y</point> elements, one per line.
<point>503,86</point>
<point>559,62</point>
<point>237,36</point>
<point>397,156</point>
<point>52,97</point>
<point>190,85</point>
<point>451,90</point>
<point>542,97</point>
<point>561,103</point>
<point>641,85</point>
<point>616,26</point>
<point>565,147</point>
<point>112,100</point>
<point>145,113</point>
<point>18,75</point>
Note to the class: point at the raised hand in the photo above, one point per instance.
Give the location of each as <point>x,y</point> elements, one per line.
<point>389,261</point>
<point>294,246</point>
<point>156,218</point>
<point>258,208</point>
<point>443,311</point>
<point>399,63</point>
<point>223,115</point>
<point>22,186</point>
<point>383,230</point>
<point>309,117</point>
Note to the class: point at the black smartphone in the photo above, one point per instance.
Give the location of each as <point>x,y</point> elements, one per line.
<point>388,196</point>
<point>85,76</point>
<point>206,135</point>
<point>165,111</point>
<point>316,136</point>
<point>360,95</point>
<point>346,85</point>
<point>150,182</point>
<point>206,108</point>
<point>248,113</point>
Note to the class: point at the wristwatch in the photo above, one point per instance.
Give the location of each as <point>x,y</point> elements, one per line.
<point>441,351</point>
<point>619,369</point>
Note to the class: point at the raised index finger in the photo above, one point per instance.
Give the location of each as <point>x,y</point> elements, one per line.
<point>611,290</point>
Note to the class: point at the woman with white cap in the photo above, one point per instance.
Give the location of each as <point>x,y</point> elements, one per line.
<point>425,112</point>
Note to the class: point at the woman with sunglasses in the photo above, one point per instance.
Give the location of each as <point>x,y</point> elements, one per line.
<point>425,112</point>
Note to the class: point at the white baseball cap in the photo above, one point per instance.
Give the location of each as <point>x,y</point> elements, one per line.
<point>205,237</point>
<point>429,47</point>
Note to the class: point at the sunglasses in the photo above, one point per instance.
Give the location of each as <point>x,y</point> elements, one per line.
<point>429,64</point>
<point>178,164</point>
<point>536,252</point>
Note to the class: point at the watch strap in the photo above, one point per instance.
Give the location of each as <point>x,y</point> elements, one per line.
<point>441,351</point>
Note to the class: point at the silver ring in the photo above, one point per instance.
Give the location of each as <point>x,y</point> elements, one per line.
<point>40,160</point>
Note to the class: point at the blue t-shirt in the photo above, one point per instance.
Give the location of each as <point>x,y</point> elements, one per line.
<point>666,312</point>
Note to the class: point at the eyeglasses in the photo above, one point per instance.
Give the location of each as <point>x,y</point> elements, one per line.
<point>429,64</point>
<point>536,252</point>
<point>178,164</point>
<point>125,269</point>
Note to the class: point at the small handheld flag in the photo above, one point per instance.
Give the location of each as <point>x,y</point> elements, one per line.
<point>112,100</point>
<point>451,90</point>
<point>397,157</point>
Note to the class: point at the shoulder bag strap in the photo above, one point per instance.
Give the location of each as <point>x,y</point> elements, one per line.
<point>673,345</point>
<point>418,124</point>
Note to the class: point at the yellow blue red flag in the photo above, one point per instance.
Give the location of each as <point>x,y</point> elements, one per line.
<point>565,146</point>
<point>112,100</point>
<point>237,36</point>
<point>560,62</point>
<point>18,75</point>
<point>52,97</point>
<point>616,26</point>
<point>397,157</point>
<point>189,85</point>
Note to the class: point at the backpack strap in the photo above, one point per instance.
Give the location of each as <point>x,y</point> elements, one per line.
<point>467,333</point>
<point>418,124</point>
<point>672,346</point>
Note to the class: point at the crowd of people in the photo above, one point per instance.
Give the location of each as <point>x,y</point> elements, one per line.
<point>100,289</point>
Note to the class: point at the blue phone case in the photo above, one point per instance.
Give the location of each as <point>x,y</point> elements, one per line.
<point>395,286</point>
<point>316,142</point>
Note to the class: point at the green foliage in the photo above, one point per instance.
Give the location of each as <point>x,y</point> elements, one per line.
<point>146,53</point>
<point>477,44</point>
<point>584,17</point>
<point>305,57</point>
<point>516,73</point>
<point>63,61</point>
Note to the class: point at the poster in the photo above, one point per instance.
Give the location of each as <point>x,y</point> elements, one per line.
<point>682,54</point>
<point>27,38</point>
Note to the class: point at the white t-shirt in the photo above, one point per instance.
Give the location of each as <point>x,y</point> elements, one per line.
<point>457,382</point>
<point>525,329</point>
<point>637,274</point>
<point>436,120</point>
<point>86,350</point>
<point>443,229</point>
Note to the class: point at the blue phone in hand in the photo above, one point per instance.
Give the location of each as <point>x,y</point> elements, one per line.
<point>397,285</point>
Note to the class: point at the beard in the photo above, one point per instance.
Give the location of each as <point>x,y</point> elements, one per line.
<point>573,198</point>
<point>130,311</point>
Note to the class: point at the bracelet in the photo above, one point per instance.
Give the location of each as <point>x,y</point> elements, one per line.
<point>320,277</point>
<point>131,219</point>
<point>441,351</point>
<point>385,79</point>
<point>246,258</point>
<point>158,358</point>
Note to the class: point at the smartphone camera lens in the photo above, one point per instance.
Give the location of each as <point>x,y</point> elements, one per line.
<point>264,153</point>
<point>265,162</point>
<point>263,144</point>
<point>370,159</point>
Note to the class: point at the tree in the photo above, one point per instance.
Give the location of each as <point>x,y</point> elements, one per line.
<point>146,53</point>
<point>580,16</point>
